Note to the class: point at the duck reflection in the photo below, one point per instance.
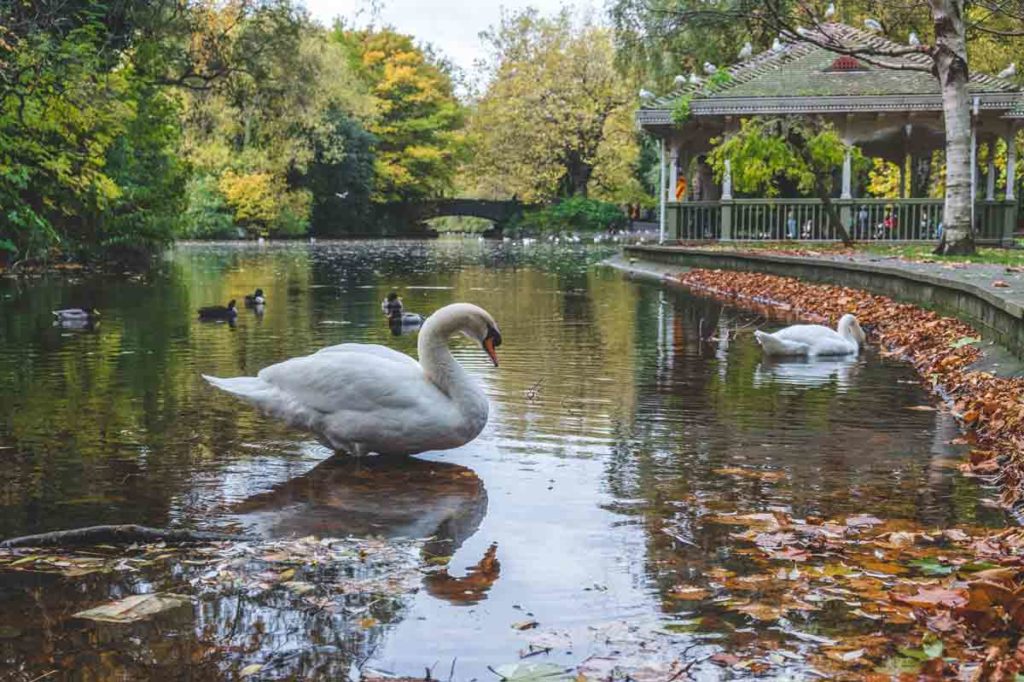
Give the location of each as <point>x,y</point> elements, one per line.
<point>400,325</point>
<point>384,496</point>
<point>82,325</point>
<point>837,372</point>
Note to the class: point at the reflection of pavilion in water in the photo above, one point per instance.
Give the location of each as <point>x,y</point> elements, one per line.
<point>394,497</point>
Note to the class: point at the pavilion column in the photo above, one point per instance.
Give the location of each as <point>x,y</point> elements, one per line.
<point>847,174</point>
<point>1011,164</point>
<point>661,191</point>
<point>726,204</point>
<point>990,182</point>
<point>974,162</point>
<point>673,171</point>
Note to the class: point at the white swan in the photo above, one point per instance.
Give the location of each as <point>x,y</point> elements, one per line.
<point>814,339</point>
<point>364,398</point>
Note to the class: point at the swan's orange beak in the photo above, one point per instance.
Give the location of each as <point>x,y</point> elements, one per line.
<point>489,347</point>
<point>492,341</point>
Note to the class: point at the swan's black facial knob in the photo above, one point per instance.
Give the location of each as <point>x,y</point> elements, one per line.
<point>491,341</point>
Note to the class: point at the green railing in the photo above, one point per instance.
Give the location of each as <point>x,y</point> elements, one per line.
<point>694,220</point>
<point>807,219</point>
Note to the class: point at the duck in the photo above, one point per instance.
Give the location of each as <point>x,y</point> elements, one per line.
<point>219,312</point>
<point>366,399</point>
<point>810,340</point>
<point>255,298</point>
<point>76,315</point>
<point>406,319</point>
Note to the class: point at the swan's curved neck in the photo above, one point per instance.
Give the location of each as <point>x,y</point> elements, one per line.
<point>845,330</point>
<point>437,361</point>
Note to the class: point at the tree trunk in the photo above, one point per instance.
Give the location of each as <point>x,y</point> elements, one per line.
<point>835,222</point>
<point>951,71</point>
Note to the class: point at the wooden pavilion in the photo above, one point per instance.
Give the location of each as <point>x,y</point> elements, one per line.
<point>890,114</point>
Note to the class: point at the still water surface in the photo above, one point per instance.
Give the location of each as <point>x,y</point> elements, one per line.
<point>614,405</point>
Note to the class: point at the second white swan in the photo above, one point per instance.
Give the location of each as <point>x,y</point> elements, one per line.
<point>365,399</point>
<point>814,339</point>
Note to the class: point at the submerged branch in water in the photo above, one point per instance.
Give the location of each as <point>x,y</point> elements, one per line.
<point>120,534</point>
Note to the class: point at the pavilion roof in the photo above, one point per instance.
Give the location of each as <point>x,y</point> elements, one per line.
<point>802,71</point>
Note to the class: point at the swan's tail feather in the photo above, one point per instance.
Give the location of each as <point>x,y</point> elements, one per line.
<point>250,388</point>
<point>776,346</point>
<point>267,398</point>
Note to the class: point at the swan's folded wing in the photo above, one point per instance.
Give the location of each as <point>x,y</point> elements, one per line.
<point>382,352</point>
<point>343,380</point>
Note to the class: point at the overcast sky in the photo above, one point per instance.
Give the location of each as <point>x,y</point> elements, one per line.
<point>450,25</point>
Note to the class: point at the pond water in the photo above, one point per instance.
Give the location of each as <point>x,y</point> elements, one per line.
<point>615,411</point>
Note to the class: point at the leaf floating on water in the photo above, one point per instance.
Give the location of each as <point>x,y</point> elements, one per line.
<point>250,669</point>
<point>525,625</point>
<point>932,567</point>
<point>529,672</point>
<point>761,612</point>
<point>688,593</point>
<point>920,408</point>
<point>931,598</point>
<point>135,608</point>
<point>766,476</point>
<point>863,520</point>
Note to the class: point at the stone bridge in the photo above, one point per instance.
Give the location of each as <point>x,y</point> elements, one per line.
<point>499,212</point>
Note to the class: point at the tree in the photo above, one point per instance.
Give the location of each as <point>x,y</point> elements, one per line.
<point>257,131</point>
<point>804,150</point>
<point>556,117</point>
<point>418,122</point>
<point>945,27</point>
<point>341,184</point>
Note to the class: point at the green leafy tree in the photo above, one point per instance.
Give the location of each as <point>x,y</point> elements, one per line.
<point>258,132</point>
<point>418,122</point>
<point>342,184</point>
<point>803,150</point>
<point>556,118</point>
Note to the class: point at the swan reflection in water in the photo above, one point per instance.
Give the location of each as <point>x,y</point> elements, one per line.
<point>390,497</point>
<point>838,372</point>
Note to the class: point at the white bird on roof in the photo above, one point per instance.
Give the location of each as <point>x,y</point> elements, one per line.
<point>913,40</point>
<point>646,94</point>
<point>830,11</point>
<point>801,31</point>
<point>873,25</point>
<point>695,79</point>
<point>747,51</point>
<point>679,80</point>
<point>710,68</point>
<point>776,45</point>
<point>1010,71</point>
